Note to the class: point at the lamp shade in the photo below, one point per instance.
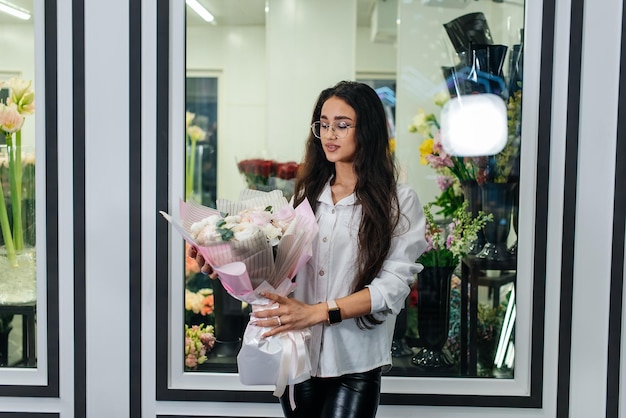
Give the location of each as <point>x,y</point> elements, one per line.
<point>474,125</point>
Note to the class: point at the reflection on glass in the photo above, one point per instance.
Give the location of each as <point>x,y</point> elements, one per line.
<point>201,140</point>
<point>18,280</point>
<point>442,53</point>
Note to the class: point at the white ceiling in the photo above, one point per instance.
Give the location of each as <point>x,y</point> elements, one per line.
<point>226,12</point>
<point>22,4</point>
<point>252,12</point>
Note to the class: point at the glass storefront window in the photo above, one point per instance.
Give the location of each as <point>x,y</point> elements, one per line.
<point>18,279</point>
<point>428,53</point>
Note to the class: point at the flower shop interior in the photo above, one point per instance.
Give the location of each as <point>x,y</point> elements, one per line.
<point>102,314</point>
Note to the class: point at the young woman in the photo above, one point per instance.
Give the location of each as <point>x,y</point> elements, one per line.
<point>371,231</point>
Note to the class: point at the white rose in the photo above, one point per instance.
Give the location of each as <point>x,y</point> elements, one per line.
<point>232,219</point>
<point>272,234</point>
<point>196,227</point>
<point>208,235</point>
<point>245,231</point>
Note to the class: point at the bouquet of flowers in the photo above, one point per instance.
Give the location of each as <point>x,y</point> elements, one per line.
<point>255,244</point>
<point>199,340</point>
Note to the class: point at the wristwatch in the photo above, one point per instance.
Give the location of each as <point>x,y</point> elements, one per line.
<point>334,313</point>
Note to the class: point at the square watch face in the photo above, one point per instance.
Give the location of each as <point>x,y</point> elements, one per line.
<point>334,316</point>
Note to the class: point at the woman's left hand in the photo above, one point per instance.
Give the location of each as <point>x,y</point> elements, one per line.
<point>290,315</point>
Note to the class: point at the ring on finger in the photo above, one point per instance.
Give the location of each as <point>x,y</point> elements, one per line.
<point>279,322</point>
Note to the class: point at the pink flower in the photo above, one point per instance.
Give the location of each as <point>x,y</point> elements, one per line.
<point>449,241</point>
<point>10,118</point>
<point>191,361</point>
<point>444,182</point>
<point>208,340</point>
<point>439,161</point>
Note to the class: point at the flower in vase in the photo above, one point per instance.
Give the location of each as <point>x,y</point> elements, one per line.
<point>199,340</point>
<point>21,102</point>
<point>449,242</point>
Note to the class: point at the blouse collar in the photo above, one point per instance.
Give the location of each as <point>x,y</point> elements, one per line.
<point>327,197</point>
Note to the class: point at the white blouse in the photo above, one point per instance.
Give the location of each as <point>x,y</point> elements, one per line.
<point>345,348</point>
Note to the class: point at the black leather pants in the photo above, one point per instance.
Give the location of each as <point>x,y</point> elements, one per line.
<point>350,396</point>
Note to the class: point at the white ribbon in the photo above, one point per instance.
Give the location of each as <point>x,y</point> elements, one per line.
<point>293,362</point>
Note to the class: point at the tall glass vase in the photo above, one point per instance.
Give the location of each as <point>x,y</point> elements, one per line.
<point>473,195</point>
<point>17,216</point>
<point>497,199</point>
<point>18,276</point>
<point>433,317</point>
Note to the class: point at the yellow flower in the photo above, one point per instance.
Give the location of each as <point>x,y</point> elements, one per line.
<point>420,123</point>
<point>426,148</point>
<point>196,133</point>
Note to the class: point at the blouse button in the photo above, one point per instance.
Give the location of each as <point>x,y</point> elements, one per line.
<point>325,239</point>
<point>333,211</point>
<point>321,273</point>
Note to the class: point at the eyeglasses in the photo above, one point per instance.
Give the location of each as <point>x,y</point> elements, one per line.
<point>340,129</point>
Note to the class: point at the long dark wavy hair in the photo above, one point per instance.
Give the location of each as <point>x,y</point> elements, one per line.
<point>375,188</point>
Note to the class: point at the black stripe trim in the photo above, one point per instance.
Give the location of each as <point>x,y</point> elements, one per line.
<point>617,256</point>
<point>52,196</point>
<point>78,161</point>
<point>569,207</point>
<point>134,209</point>
<point>162,199</point>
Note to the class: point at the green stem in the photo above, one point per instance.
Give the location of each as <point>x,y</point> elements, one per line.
<point>18,230</point>
<point>190,169</point>
<point>16,202</point>
<point>6,230</point>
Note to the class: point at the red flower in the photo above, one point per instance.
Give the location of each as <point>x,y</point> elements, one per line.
<point>287,171</point>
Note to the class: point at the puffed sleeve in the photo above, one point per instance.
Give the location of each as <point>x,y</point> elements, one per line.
<point>390,289</point>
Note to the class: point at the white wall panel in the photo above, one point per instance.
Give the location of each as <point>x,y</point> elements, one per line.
<point>106,207</point>
<point>594,203</point>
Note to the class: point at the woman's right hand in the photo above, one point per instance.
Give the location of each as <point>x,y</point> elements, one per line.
<point>205,268</point>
